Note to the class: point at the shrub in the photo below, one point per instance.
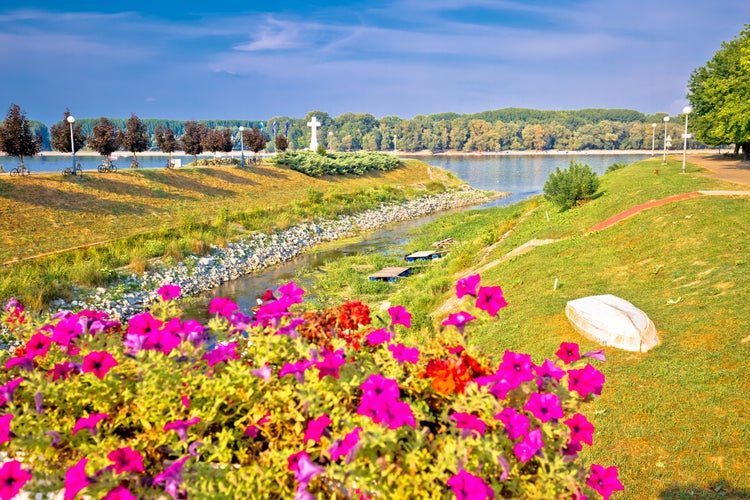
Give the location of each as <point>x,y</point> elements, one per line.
<point>567,187</point>
<point>315,165</point>
<point>326,404</point>
<point>615,166</point>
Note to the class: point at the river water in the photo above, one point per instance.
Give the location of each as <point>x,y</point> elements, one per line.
<point>522,176</point>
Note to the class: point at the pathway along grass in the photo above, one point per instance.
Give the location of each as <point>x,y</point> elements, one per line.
<point>676,420</point>
<point>141,214</point>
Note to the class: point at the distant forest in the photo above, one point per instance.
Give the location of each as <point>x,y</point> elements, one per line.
<point>498,130</point>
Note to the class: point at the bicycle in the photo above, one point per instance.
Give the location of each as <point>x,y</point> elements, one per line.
<point>106,166</point>
<point>19,170</point>
<point>135,164</point>
<point>169,164</point>
<point>69,170</point>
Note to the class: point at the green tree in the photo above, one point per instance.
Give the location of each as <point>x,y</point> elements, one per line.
<point>213,141</point>
<point>566,187</point>
<point>135,138</point>
<point>192,139</point>
<point>60,135</point>
<point>16,138</point>
<point>104,138</point>
<point>255,139</point>
<point>165,140</point>
<point>720,95</point>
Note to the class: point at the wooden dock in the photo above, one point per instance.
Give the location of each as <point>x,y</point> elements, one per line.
<point>425,255</point>
<point>390,274</point>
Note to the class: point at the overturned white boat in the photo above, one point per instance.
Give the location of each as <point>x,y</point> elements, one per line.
<point>612,321</point>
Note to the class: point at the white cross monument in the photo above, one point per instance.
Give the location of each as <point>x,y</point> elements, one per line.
<point>314,124</point>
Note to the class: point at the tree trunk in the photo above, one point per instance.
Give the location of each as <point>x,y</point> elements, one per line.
<point>745,150</point>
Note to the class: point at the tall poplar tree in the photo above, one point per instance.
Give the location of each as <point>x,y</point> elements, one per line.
<point>16,138</point>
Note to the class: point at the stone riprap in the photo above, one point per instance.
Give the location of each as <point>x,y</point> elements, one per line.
<point>256,252</point>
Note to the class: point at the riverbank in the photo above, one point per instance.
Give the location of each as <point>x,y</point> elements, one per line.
<point>258,251</point>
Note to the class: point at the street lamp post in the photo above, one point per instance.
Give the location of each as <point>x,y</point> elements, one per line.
<point>653,138</point>
<point>242,146</point>
<point>71,120</point>
<point>666,140</point>
<point>687,110</point>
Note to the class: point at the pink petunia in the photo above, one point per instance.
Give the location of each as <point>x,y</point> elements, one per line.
<point>467,486</point>
<point>12,479</point>
<point>469,424</point>
<point>459,320</point>
<point>38,345</point>
<point>529,445</point>
<point>568,352</point>
<point>544,407</point>
<point>89,423</point>
<point>518,366</point>
<point>581,430</point>
<point>297,369</point>
<point>490,299</point>
<point>222,306</point>
<point>316,428</point>
<point>400,316</point>
<point>404,354</point>
<point>516,424</point>
<point>346,447</point>
<point>291,292</point>
<point>126,460</point>
<point>467,286</point>
<point>181,426</point>
<point>169,292</point>
<point>75,479</point>
<point>604,480</point>
<point>5,427</point>
<point>172,478</point>
<point>119,493</point>
<point>585,381</point>
<point>378,337</point>
<point>330,364</point>
<point>99,363</point>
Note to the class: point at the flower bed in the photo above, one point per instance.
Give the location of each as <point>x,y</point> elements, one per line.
<point>323,404</point>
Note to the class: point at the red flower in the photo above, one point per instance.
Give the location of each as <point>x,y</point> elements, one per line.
<point>353,314</point>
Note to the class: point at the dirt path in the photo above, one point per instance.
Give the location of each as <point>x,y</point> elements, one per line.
<point>720,167</point>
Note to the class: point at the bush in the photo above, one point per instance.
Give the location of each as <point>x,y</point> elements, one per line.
<point>615,166</point>
<point>322,163</point>
<point>325,404</point>
<point>567,187</point>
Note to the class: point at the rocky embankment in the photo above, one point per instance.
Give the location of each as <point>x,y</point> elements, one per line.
<point>258,251</point>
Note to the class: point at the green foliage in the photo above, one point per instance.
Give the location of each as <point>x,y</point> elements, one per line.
<point>60,135</point>
<point>720,95</point>
<point>135,137</point>
<point>615,166</point>
<point>192,140</point>
<point>321,150</point>
<point>16,138</point>
<point>315,165</point>
<point>104,137</point>
<point>567,187</point>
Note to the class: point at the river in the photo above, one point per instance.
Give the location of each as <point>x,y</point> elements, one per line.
<point>522,176</point>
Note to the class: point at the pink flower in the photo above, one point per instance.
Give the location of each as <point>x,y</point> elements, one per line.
<point>89,423</point>
<point>162,340</point>
<point>221,353</point>
<point>67,329</point>
<point>181,426</point>
<point>544,407</point>
<point>467,486</point>
<point>5,427</point>
<point>346,446</point>
<point>252,430</point>
<point>400,316</point>
<point>23,362</point>
<point>403,354</point>
<point>143,324</point>
<point>491,299</point>
<point>172,478</point>
<point>75,479</point>
<point>263,373</point>
<point>529,445</point>
<point>467,286</point>
<point>38,345</point>
<point>332,361</point>
<point>62,370</point>
<point>169,292</point>
<point>119,493</point>
<point>12,479</point>
<point>581,430</point>
<point>604,481</point>
<point>98,363</point>
<point>459,320</point>
<point>517,365</point>
<point>222,306</point>
<point>548,372</point>
<point>126,460</point>
<point>297,369</point>
<point>516,424</point>
<point>315,428</point>
<point>8,389</point>
<point>586,381</point>
<point>306,470</point>
<point>291,292</point>
<point>599,354</point>
<point>500,383</point>
<point>469,423</point>
<point>377,386</point>
<point>568,352</point>
<point>378,337</point>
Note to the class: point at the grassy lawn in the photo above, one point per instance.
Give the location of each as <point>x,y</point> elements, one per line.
<point>141,214</point>
<point>676,420</point>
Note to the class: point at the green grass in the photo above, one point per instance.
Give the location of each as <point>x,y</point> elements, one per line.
<point>676,420</point>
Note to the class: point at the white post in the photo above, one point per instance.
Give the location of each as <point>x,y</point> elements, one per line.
<point>71,120</point>
<point>687,110</point>
<point>664,161</point>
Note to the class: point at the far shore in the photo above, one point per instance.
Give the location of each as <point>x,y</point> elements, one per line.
<point>550,152</point>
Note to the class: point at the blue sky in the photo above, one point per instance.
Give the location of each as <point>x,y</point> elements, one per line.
<point>254,60</point>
